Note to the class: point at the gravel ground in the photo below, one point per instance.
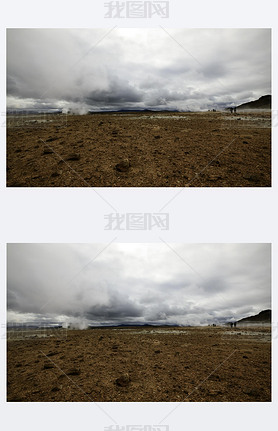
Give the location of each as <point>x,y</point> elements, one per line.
<point>164,364</point>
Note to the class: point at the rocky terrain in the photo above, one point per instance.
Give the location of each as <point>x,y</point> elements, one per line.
<point>169,149</point>
<point>191,364</point>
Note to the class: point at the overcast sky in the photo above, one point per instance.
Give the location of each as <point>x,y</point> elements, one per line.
<point>139,283</point>
<point>100,69</point>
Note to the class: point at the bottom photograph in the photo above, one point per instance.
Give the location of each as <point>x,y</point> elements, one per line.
<point>131,322</point>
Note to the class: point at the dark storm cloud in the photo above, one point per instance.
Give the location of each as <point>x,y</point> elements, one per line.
<point>137,282</point>
<point>81,69</point>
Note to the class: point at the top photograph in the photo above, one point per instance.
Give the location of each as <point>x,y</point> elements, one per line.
<point>138,107</point>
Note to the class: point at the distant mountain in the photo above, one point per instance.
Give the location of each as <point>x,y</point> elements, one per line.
<point>133,111</point>
<point>263,102</point>
<point>263,317</point>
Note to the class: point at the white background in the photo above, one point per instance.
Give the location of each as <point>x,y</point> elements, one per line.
<point>77,215</point>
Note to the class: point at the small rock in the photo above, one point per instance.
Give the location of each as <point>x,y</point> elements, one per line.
<point>73,156</point>
<point>157,351</point>
<point>74,372</point>
<point>215,163</point>
<point>244,356</point>
<point>55,389</point>
<point>123,380</point>
<point>252,177</point>
<point>55,174</point>
<point>48,365</point>
<point>123,166</point>
<point>51,139</point>
<point>157,137</point>
<point>52,353</point>
<point>245,142</point>
<point>252,392</point>
<point>47,150</point>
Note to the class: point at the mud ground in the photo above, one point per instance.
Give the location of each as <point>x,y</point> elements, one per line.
<point>150,364</point>
<point>203,149</point>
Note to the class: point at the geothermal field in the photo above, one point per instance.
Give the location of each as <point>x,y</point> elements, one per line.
<point>147,149</point>
<point>188,364</point>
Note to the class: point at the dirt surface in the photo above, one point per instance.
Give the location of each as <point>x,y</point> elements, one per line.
<point>204,149</point>
<point>154,364</point>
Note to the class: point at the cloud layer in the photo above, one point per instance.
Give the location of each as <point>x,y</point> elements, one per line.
<point>139,283</point>
<point>100,69</point>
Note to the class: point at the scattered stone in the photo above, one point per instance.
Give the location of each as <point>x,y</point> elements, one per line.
<point>74,372</point>
<point>245,142</point>
<point>215,163</point>
<point>157,137</point>
<point>73,156</point>
<point>100,338</point>
<point>47,150</point>
<point>157,351</point>
<point>51,139</point>
<point>18,150</point>
<point>55,174</point>
<point>100,123</point>
<point>214,377</point>
<point>252,392</point>
<point>123,380</point>
<point>123,166</point>
<point>55,389</point>
<point>244,356</point>
<point>52,353</point>
<point>252,177</point>
<point>48,365</point>
<point>214,177</point>
<point>115,347</point>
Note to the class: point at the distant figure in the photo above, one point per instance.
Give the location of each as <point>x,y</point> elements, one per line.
<point>231,110</point>
<point>231,324</point>
<point>235,110</point>
<point>234,324</point>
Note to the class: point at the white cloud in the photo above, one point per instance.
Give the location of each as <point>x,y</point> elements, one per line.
<point>200,283</point>
<point>145,68</point>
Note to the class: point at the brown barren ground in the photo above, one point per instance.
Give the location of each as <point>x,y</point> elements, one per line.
<point>203,149</point>
<point>150,364</point>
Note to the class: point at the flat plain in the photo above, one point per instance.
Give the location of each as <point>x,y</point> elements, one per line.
<point>200,149</point>
<point>188,364</point>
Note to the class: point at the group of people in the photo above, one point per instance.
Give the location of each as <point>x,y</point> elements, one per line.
<point>233,110</point>
<point>233,324</point>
